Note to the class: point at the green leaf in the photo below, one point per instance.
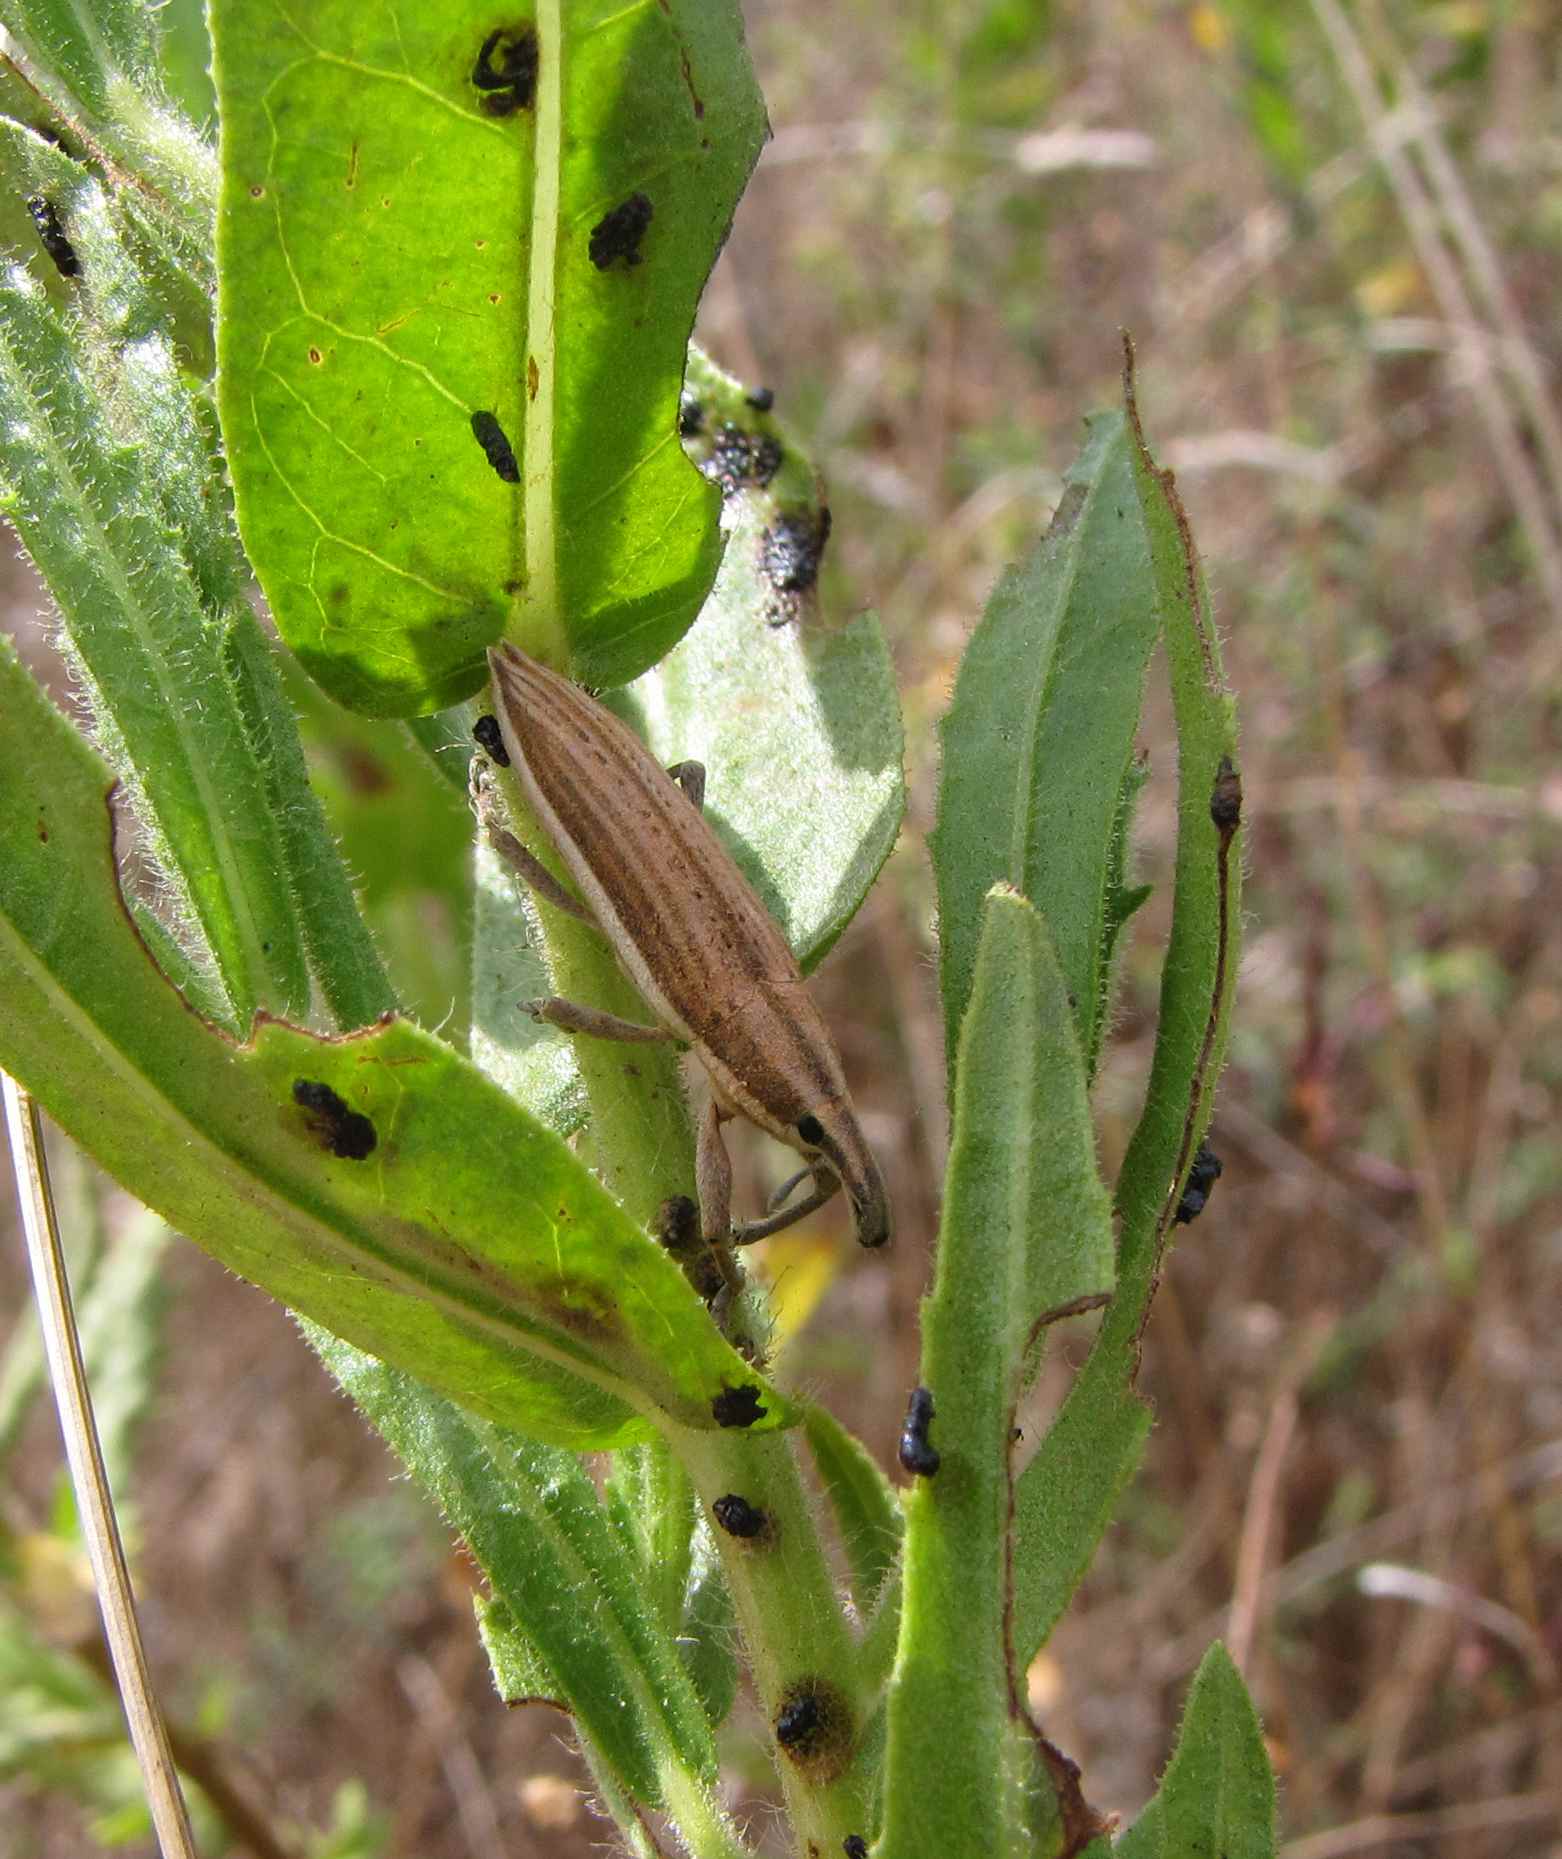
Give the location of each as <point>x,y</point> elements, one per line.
<point>531,1517</point>
<point>93,77</point>
<point>1066,1495</point>
<point>1038,742</point>
<point>92,46</point>
<point>861,1501</point>
<point>708,1633</point>
<point>1025,1230</point>
<point>1198,982</point>
<point>144,589</point>
<point>467,1244</point>
<point>1217,1797</point>
<point>521,1674</point>
<point>353,985</point>
<point>1146,1838</point>
<point>650,1498</point>
<point>404,252</point>
<point>533,1062</point>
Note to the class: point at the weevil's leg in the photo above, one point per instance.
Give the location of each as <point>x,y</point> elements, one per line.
<point>825,1186</point>
<point>707,1266</point>
<point>713,1175</point>
<point>690,776</point>
<point>571,1017</point>
<point>784,1193</point>
<point>531,871</point>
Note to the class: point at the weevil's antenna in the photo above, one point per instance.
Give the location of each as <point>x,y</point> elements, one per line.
<point>94,1502</point>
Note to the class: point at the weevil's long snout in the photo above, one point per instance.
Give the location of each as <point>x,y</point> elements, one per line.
<point>854,1162</point>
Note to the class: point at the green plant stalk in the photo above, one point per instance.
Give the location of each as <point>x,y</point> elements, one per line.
<point>640,1141</point>
<point>789,1615</point>
<point>702,1829</point>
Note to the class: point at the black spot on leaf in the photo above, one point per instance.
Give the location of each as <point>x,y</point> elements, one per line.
<point>917,1454</point>
<point>1202,1176</point>
<point>345,1132</point>
<point>617,235</point>
<point>740,459</point>
<point>798,1722</point>
<point>51,235</point>
<point>793,548</point>
<point>738,1517</point>
<point>737,1407</point>
<point>506,70</point>
<point>490,435</point>
<point>1225,801</point>
<point>490,741</point>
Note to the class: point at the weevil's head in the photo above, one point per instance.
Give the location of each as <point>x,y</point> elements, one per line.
<point>835,1138</point>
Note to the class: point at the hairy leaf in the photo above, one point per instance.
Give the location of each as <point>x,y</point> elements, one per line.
<point>460,260</point>
<point>1038,742</point>
<point>1217,1797</point>
<point>532,1518</point>
<point>113,490</point>
<point>377,1183</point>
<point>1065,1496</point>
<point>1025,1230</point>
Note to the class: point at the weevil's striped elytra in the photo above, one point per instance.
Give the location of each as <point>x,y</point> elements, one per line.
<point>691,935</point>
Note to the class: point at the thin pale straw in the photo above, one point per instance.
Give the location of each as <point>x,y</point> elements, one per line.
<point>94,1502</point>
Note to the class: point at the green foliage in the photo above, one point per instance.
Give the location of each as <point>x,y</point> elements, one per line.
<point>1038,743</point>
<point>1025,1231</point>
<point>221,1030</point>
<point>1066,1495</point>
<point>346,403</point>
<point>1218,1794</point>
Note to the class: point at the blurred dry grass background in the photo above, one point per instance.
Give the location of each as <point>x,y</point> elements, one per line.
<point>1335,230</point>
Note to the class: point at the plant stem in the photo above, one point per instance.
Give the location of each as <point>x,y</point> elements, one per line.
<point>793,1629</point>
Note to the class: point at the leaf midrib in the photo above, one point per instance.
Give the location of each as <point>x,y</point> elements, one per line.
<point>540,567</point>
